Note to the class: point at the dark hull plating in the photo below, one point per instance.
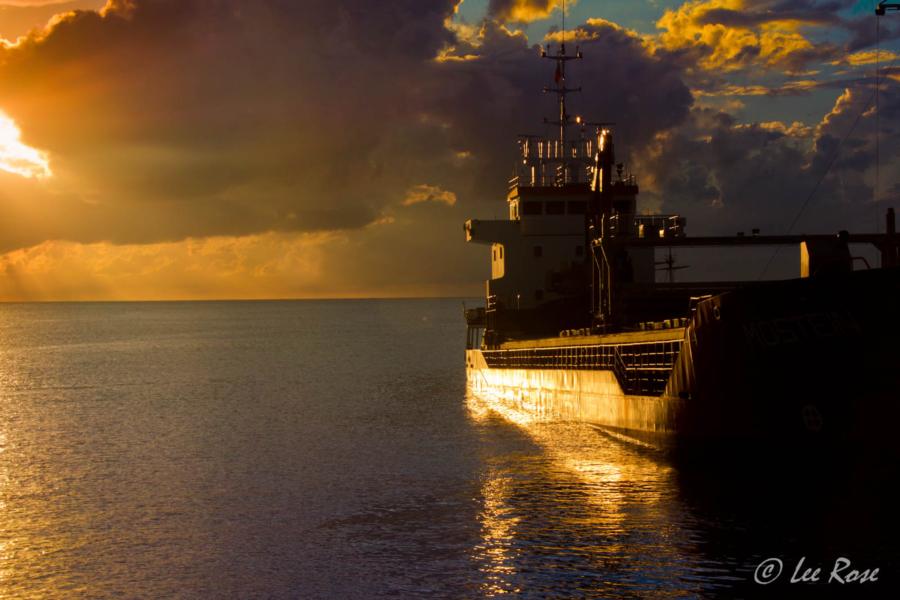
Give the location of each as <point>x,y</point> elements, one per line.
<point>815,357</point>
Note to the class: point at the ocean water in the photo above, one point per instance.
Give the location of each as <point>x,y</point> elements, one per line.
<point>329,450</point>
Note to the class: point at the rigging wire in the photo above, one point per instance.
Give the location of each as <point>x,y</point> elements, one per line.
<point>877,115</point>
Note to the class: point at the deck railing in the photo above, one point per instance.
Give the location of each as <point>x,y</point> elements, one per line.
<point>641,369</point>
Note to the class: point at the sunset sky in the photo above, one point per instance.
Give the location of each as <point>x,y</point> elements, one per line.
<point>195,149</point>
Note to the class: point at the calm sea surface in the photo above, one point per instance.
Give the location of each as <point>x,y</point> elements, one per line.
<point>329,450</point>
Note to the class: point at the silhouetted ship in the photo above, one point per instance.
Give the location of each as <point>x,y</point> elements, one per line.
<point>576,327</point>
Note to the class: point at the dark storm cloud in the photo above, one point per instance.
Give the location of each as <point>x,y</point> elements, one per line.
<point>226,117</point>
<point>863,33</point>
<point>731,176</point>
<point>194,117</point>
<point>621,82</point>
<point>169,119</point>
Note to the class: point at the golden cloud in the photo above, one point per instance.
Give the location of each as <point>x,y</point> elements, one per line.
<point>841,106</point>
<point>428,193</point>
<point>729,47</point>
<point>258,266</point>
<point>524,11</point>
<point>796,129</point>
<point>590,30</point>
<point>171,120</point>
<point>866,57</point>
<point>789,88</point>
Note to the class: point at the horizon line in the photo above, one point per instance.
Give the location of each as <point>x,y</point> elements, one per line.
<point>286,299</point>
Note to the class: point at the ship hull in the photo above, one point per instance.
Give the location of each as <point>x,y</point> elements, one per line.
<point>801,362</point>
<point>591,396</point>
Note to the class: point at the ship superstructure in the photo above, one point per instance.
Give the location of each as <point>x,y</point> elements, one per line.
<point>575,325</point>
<point>565,191</point>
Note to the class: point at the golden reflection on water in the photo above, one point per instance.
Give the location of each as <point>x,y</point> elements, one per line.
<point>5,550</point>
<point>35,545</point>
<point>595,497</point>
<point>498,531</point>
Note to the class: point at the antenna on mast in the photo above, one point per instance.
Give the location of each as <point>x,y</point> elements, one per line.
<point>669,266</point>
<point>559,79</point>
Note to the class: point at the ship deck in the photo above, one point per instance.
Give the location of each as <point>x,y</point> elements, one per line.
<point>625,337</point>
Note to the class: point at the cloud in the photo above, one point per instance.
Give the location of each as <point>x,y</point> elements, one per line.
<point>750,15</point>
<point>729,176</point>
<point>428,193</point>
<point>797,87</point>
<point>730,35</point>
<point>175,120</point>
<point>221,117</point>
<point>19,18</point>
<point>591,29</point>
<point>258,266</point>
<point>229,148</point>
<point>267,148</point>
<point>523,11</point>
<point>866,57</point>
<point>621,81</point>
<point>391,257</point>
<point>795,129</point>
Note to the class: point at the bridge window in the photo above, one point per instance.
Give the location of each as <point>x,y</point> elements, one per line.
<point>538,251</point>
<point>556,207</point>
<point>577,207</point>
<point>532,208</point>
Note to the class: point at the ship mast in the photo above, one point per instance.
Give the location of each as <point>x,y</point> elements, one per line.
<point>559,80</point>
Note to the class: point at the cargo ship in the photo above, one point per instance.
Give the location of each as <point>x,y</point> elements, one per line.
<point>576,327</point>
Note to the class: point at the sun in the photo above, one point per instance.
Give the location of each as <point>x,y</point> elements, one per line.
<point>16,157</point>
